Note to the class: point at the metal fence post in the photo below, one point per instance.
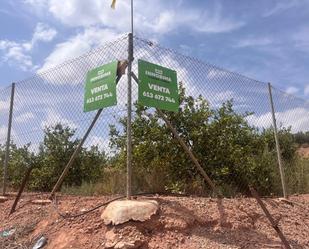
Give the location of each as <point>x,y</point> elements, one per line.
<point>8,141</point>
<point>129,119</point>
<point>74,155</point>
<point>277,141</point>
<point>273,223</point>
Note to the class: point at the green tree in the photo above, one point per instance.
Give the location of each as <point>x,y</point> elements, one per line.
<point>55,152</point>
<point>233,153</point>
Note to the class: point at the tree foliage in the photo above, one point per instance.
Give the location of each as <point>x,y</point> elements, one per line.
<point>53,154</point>
<point>233,152</point>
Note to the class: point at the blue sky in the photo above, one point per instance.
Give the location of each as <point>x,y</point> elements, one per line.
<point>266,40</point>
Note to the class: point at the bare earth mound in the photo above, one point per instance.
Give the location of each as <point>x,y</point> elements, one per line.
<point>182,222</point>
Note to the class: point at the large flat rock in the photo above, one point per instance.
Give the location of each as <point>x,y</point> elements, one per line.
<point>119,212</point>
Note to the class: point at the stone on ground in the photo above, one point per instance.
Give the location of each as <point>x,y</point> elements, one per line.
<point>133,239</point>
<point>3,199</point>
<point>119,212</point>
<point>41,202</point>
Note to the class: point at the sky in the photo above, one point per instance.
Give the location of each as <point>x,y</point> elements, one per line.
<point>265,40</point>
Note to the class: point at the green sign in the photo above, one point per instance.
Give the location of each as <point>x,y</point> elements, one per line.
<point>157,86</point>
<point>100,87</point>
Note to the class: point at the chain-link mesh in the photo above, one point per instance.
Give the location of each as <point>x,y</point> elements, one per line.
<point>5,95</point>
<point>228,95</point>
<point>56,96</point>
<point>292,113</point>
<point>226,122</point>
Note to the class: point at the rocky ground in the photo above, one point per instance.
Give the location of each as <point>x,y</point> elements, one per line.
<point>182,222</point>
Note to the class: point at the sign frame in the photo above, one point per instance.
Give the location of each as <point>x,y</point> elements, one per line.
<point>100,87</point>
<point>158,86</point>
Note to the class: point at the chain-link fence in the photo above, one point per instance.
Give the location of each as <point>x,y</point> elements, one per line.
<point>292,114</point>
<point>225,119</point>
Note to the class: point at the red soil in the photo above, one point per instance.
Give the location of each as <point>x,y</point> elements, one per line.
<point>182,222</point>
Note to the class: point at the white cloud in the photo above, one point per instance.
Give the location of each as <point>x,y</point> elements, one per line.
<point>36,3</point>
<point>24,117</point>
<point>224,96</point>
<point>215,21</point>
<point>254,42</point>
<point>306,90</point>
<point>164,23</point>
<point>204,22</point>
<point>34,147</point>
<point>217,74</point>
<point>77,45</point>
<point>18,54</point>
<point>5,44</point>
<point>4,105</point>
<point>3,133</point>
<point>98,141</point>
<point>301,39</point>
<point>183,73</point>
<point>185,49</point>
<point>52,118</point>
<point>292,90</point>
<point>80,13</point>
<point>282,5</point>
<point>297,118</point>
<point>43,33</point>
<point>101,23</point>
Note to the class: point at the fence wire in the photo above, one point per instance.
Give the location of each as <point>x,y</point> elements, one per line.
<point>292,113</point>
<point>226,121</point>
<point>5,95</point>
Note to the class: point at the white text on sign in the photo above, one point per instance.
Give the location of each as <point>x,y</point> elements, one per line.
<point>99,97</point>
<point>158,97</point>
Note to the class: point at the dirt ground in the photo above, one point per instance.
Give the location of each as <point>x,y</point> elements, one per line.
<point>182,222</point>
<point>304,151</point>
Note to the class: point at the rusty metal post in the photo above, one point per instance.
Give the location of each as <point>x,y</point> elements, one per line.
<point>277,141</point>
<point>188,152</point>
<point>8,141</point>
<point>73,157</point>
<point>21,189</point>
<point>120,71</point>
<point>270,218</point>
<point>129,119</point>
<point>185,147</point>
